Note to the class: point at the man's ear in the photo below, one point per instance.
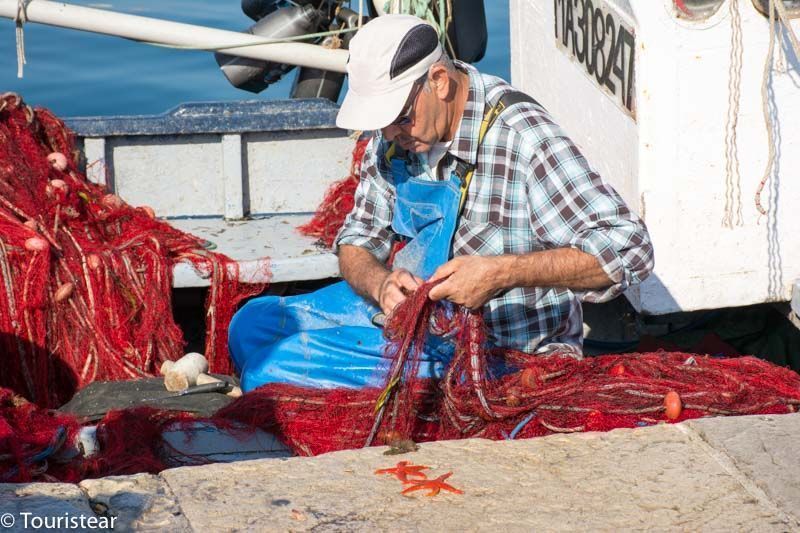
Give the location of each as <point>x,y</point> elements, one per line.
<point>439,79</point>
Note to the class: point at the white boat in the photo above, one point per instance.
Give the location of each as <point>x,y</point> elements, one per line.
<point>648,100</point>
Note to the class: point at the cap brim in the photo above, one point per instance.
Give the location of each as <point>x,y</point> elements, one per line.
<point>360,112</point>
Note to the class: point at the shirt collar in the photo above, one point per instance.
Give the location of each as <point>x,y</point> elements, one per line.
<point>465,141</point>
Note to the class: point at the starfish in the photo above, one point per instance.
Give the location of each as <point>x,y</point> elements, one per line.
<point>434,485</point>
<point>403,470</point>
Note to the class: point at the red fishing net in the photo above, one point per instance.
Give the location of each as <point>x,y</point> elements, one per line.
<point>498,394</point>
<point>86,279</point>
<point>29,437</point>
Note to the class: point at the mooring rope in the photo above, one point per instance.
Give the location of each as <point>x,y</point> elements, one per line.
<point>775,7</point>
<point>19,20</point>
<point>733,188</point>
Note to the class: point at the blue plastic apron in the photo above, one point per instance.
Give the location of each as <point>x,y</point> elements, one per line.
<point>327,338</point>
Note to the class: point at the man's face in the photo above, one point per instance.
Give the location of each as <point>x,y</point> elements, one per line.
<point>417,128</point>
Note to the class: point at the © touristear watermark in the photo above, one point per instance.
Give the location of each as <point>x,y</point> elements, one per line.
<point>27,520</point>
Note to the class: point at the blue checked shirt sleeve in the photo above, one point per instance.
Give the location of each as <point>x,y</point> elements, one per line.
<point>572,207</point>
<point>369,223</point>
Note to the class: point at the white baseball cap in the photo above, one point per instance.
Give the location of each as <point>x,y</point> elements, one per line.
<point>387,55</point>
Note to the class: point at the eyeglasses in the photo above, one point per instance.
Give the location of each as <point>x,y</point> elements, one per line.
<point>404,118</point>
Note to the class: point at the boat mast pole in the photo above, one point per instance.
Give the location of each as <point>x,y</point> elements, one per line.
<point>165,32</point>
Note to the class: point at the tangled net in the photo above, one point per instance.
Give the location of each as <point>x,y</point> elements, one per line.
<point>338,201</point>
<point>500,394</point>
<point>524,397</point>
<point>86,279</point>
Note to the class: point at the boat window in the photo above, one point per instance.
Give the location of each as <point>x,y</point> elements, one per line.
<point>792,7</point>
<point>697,9</point>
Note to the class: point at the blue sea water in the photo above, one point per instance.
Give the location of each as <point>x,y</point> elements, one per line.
<point>79,74</point>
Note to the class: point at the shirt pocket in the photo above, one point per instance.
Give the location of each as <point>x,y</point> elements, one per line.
<point>410,218</point>
<point>478,238</point>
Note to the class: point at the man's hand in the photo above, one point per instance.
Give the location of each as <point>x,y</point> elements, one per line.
<point>471,281</point>
<point>394,289</point>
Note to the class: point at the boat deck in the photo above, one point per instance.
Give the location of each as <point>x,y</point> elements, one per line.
<point>242,175</point>
<point>272,242</point>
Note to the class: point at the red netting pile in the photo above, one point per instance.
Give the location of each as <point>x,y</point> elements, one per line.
<point>85,279</point>
<point>338,201</point>
<point>29,436</point>
<point>501,394</point>
<point>496,394</point>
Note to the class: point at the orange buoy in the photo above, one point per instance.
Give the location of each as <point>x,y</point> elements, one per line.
<point>36,244</point>
<point>64,291</point>
<point>672,405</point>
<point>531,378</point>
<point>617,370</point>
<point>31,224</point>
<point>148,211</point>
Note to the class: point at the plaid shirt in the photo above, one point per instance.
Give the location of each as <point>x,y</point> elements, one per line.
<point>532,190</point>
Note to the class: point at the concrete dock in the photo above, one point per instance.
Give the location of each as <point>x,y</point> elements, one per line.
<point>715,474</point>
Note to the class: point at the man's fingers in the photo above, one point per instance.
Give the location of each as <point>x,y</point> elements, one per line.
<point>441,291</point>
<point>444,270</point>
<point>408,281</point>
<point>393,298</point>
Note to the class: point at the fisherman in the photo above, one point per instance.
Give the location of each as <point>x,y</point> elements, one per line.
<point>486,192</point>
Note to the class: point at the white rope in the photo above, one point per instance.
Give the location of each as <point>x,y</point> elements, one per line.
<point>784,16</point>
<point>19,20</point>
<point>221,47</point>
<point>765,109</point>
<point>779,9</point>
<point>733,190</point>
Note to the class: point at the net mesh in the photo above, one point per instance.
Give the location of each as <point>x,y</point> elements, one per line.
<point>86,279</point>
<point>87,282</point>
<point>500,394</point>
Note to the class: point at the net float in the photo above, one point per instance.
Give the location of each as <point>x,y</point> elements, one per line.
<point>148,211</point>
<point>617,370</point>
<point>672,405</point>
<point>531,378</point>
<point>36,244</point>
<point>93,260</point>
<point>31,224</point>
<point>58,161</point>
<point>513,397</point>
<point>111,201</point>
<point>56,187</point>
<point>64,291</point>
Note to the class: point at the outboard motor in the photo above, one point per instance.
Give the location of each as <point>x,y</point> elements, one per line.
<point>280,19</point>
<point>292,21</point>
<point>258,9</point>
<point>318,83</point>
